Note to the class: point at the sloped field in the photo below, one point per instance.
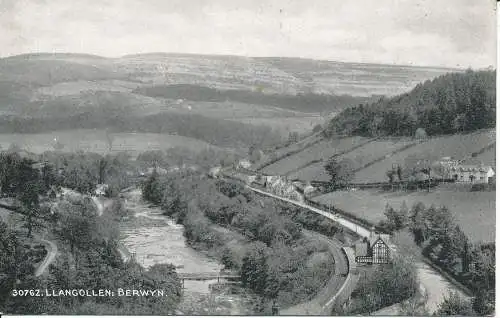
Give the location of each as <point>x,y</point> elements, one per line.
<point>318,151</point>
<point>488,157</point>
<point>455,146</point>
<point>360,157</point>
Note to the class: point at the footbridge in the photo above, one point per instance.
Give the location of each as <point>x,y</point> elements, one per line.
<point>208,276</point>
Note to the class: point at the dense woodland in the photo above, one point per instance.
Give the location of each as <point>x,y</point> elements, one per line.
<point>88,256</point>
<point>451,103</point>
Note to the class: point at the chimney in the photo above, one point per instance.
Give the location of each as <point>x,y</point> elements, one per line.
<point>372,233</point>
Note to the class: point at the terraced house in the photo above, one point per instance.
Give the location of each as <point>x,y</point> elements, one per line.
<point>472,173</point>
<point>466,171</point>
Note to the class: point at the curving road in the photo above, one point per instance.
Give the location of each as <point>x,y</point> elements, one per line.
<point>320,304</point>
<point>49,258</point>
<point>433,284</point>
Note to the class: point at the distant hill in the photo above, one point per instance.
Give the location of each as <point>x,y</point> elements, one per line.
<point>226,100</point>
<point>451,103</point>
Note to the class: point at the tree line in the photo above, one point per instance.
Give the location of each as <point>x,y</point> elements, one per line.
<point>449,104</point>
<point>272,252</point>
<point>441,240</point>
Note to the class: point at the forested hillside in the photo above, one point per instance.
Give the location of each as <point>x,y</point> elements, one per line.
<point>451,103</point>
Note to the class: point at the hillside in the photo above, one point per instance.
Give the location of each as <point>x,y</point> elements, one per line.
<point>301,102</point>
<point>371,158</point>
<point>451,103</point>
<point>228,101</point>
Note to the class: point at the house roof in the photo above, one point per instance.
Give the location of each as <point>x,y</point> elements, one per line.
<point>471,168</point>
<point>382,237</point>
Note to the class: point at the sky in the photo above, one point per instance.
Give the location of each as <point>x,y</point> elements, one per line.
<point>448,33</point>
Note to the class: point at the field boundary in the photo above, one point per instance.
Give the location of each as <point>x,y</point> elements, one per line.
<point>334,156</point>
<point>368,164</point>
<point>481,151</point>
<point>290,153</point>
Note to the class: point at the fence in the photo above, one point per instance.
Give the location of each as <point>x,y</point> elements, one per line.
<point>351,217</point>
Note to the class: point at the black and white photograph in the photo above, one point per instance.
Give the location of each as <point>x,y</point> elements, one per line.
<point>248,157</point>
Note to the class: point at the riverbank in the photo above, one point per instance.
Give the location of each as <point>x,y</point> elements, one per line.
<point>153,238</point>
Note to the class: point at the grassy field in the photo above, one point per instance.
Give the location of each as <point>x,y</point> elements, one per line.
<point>314,172</point>
<point>281,120</point>
<point>474,211</point>
<point>359,157</point>
<point>323,149</point>
<point>285,125</point>
<point>95,141</point>
<point>455,146</point>
<point>394,150</point>
<point>488,157</point>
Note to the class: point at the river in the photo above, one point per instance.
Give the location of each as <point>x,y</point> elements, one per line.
<point>154,238</point>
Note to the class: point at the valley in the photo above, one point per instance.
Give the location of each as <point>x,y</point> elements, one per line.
<point>273,169</point>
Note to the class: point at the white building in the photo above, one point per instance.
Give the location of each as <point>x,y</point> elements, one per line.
<point>244,163</point>
<point>471,173</point>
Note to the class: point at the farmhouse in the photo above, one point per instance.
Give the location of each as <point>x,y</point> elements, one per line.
<point>244,163</point>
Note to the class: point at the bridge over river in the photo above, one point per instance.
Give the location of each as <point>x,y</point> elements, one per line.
<point>208,276</point>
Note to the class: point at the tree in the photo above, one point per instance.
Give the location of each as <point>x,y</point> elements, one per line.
<point>396,220</point>
<point>341,172</point>
<point>417,222</point>
<point>317,128</point>
<point>152,189</point>
<point>254,268</point>
<point>455,305</point>
<point>14,262</point>
<point>30,205</point>
<point>385,286</point>
<point>77,224</point>
<point>254,154</point>
<point>390,174</point>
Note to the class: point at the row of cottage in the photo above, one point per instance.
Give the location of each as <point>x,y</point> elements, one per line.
<point>466,172</point>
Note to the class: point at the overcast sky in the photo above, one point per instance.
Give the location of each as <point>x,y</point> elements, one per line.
<point>416,32</point>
